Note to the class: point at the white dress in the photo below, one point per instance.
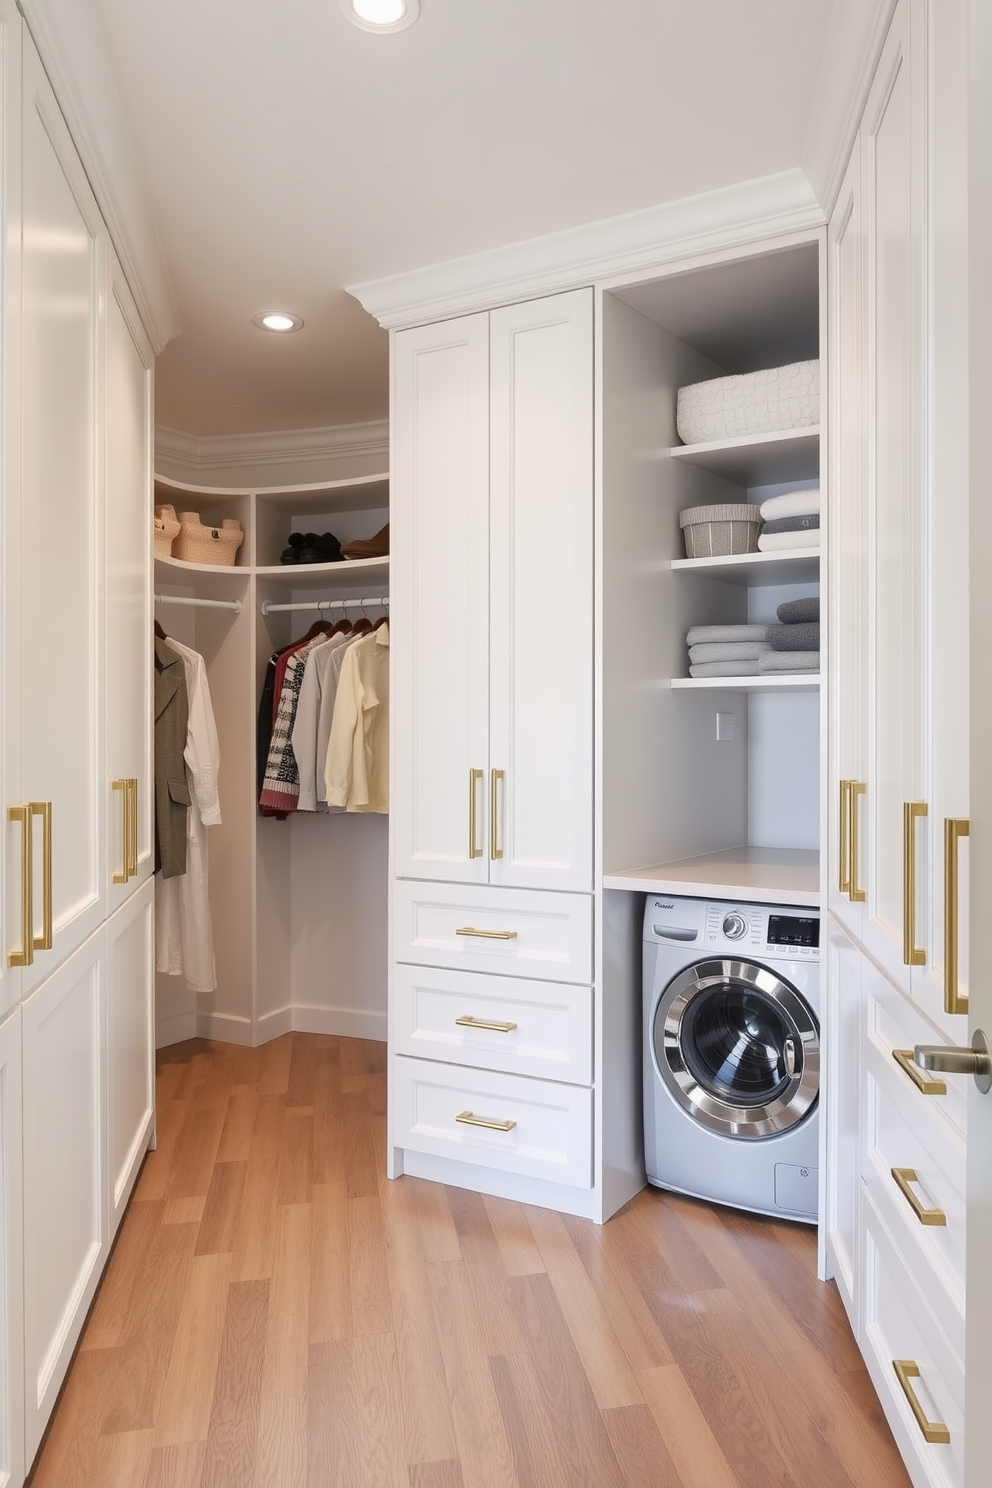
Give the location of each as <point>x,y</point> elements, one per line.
<point>184,940</point>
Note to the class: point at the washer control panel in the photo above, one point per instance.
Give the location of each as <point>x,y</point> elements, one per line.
<point>721,927</point>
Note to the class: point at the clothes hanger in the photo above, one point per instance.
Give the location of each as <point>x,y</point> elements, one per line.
<point>160,633</point>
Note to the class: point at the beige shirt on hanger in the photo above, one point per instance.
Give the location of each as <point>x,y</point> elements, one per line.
<point>356,773</point>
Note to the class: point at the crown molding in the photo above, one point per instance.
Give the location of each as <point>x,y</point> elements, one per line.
<point>68,36</point>
<point>732,216</point>
<point>310,454</point>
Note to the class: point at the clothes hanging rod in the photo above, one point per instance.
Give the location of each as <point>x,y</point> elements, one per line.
<point>200,604</point>
<point>382,600</point>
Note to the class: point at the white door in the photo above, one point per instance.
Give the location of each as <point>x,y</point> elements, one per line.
<point>130,1061</point>
<point>541,593</point>
<point>11,1274</point>
<point>439,631</point>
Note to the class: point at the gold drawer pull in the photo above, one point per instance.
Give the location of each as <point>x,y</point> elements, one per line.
<point>487,934</point>
<point>474,777</point>
<point>43,942</point>
<point>132,862</point>
<point>954,829</point>
<point>467,1021</point>
<point>934,1432</point>
<point>25,956</point>
<point>496,778</point>
<point>844,837</point>
<point>858,788</point>
<point>904,1177</point>
<point>912,955</point>
<point>469,1119</point>
<point>124,786</point>
<point>904,1059</point>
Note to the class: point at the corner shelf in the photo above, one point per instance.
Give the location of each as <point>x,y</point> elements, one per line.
<point>758,570</point>
<point>757,459</point>
<point>798,682</point>
<point>326,575</point>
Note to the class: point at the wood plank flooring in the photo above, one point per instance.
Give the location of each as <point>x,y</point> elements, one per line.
<point>277,1314</point>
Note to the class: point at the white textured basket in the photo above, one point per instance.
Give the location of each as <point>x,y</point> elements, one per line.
<point>753,403</point>
<point>718,531</point>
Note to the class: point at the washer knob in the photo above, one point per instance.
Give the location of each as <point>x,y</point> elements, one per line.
<point>734,926</point>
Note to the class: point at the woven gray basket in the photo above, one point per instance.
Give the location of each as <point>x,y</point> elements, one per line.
<point>717,531</point>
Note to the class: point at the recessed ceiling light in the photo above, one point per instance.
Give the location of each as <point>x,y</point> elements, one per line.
<point>381,15</point>
<point>276,320</point>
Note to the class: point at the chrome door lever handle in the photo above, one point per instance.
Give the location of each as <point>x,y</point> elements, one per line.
<point>951,1060</point>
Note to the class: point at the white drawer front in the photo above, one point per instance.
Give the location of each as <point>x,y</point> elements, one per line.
<point>512,932</point>
<point>496,1023</point>
<point>894,1026</point>
<point>899,1326</point>
<point>548,1127</point>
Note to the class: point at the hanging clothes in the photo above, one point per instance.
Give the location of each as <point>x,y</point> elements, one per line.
<point>281,787</point>
<point>356,772</point>
<point>314,713</point>
<point>171,790</point>
<point>184,944</point>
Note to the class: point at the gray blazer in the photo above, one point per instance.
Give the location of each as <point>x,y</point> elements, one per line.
<point>171,791</point>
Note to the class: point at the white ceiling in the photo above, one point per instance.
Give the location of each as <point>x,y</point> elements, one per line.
<point>286,153</point>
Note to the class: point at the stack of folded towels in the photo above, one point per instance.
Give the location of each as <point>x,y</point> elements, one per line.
<point>790,521</point>
<point>794,644</point>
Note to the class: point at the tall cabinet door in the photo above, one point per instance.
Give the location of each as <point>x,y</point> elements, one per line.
<point>541,593</point>
<point>11,1284</point>
<point>61,573</point>
<point>440,600</point>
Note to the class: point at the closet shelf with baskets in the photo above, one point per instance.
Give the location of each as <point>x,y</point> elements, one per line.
<point>756,459</point>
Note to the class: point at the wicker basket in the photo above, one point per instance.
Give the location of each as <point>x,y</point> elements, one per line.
<point>166,529</point>
<point>718,531</point>
<point>199,544</point>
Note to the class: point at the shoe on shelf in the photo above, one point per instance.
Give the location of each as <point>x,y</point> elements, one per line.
<point>311,547</point>
<point>369,547</point>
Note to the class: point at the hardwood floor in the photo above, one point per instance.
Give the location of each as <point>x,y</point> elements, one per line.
<point>277,1314</point>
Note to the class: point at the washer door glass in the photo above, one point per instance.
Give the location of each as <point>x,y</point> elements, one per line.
<point>738,1048</point>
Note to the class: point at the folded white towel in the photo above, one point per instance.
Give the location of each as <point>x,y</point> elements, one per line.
<point>780,542</point>
<point>714,651</point>
<point>724,669</point>
<point>790,504</point>
<point>789,661</point>
<point>732,634</point>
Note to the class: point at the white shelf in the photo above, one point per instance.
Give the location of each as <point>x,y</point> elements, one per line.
<point>756,570</point>
<point>170,570</point>
<point>757,459</point>
<point>345,575</point>
<point>769,874</point>
<point>798,682</point>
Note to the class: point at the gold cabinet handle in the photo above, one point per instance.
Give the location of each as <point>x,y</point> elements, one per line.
<point>844,837</point>
<point>912,955</point>
<point>43,942</point>
<point>904,1059</point>
<point>955,1001</point>
<point>467,1021</point>
<point>132,866</point>
<point>857,788</point>
<point>25,956</point>
<point>934,1432</point>
<point>903,1178</point>
<point>469,1119</point>
<point>487,934</point>
<point>124,787</point>
<point>496,776</point>
<point>474,777</point>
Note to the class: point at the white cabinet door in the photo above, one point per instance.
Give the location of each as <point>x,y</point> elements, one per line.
<point>130,1066</point>
<point>842,1114</point>
<point>65,1238</point>
<point>60,571</point>
<point>128,676</point>
<point>439,635</point>
<point>11,1275</point>
<point>541,593</point>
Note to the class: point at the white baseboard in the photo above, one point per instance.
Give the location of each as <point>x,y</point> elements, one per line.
<point>347,1022</point>
<point>224,1028</point>
<point>274,1025</point>
<point>175,1029</point>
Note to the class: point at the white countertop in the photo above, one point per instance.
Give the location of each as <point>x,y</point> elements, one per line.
<point>773,875</point>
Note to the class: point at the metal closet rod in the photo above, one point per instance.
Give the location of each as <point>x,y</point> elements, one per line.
<point>328,604</point>
<point>200,604</point>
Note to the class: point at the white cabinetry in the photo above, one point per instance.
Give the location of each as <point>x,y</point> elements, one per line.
<point>11,1252</point>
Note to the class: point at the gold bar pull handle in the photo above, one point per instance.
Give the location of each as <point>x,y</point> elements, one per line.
<point>904,1059</point>
<point>467,1021</point>
<point>487,934</point>
<point>857,788</point>
<point>123,786</point>
<point>25,956</point>
<point>43,942</point>
<point>844,837</point>
<point>496,777</point>
<point>955,1001</point>
<point>934,1432</point>
<point>912,955</point>
<point>468,1118</point>
<point>474,778</point>
<point>132,867</point>
<point>903,1178</point>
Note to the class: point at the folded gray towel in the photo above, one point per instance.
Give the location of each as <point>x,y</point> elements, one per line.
<point>713,651</point>
<point>798,611</point>
<point>795,637</point>
<point>726,634</point>
<point>725,668</point>
<point>793,524</point>
<point>789,661</point>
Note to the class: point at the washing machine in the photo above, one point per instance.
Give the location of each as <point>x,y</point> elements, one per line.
<point>732,1052</point>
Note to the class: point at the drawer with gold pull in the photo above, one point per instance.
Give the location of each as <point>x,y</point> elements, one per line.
<point>533,933</point>
<point>894,1026</point>
<point>522,1026</point>
<point>532,1128</point>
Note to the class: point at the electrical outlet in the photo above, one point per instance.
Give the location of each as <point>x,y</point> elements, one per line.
<point>724,728</point>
